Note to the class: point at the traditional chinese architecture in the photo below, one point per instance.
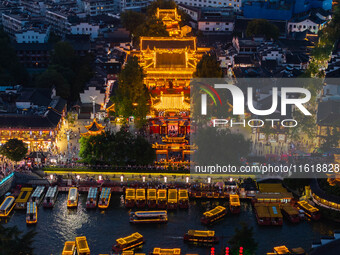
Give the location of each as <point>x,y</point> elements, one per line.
<point>169,64</point>
<point>94,128</point>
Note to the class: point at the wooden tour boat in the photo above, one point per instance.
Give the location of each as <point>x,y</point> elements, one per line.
<point>213,215</point>
<point>104,199</point>
<point>69,248</point>
<point>162,199</point>
<point>268,214</point>
<point>31,215</point>
<point>140,198</point>
<point>130,197</point>
<point>172,199</point>
<point>152,198</point>
<point>91,201</point>
<point>183,199</point>
<point>309,210</point>
<point>72,200</point>
<point>126,243</point>
<point>37,195</point>
<point>50,197</point>
<point>160,251</point>
<point>7,206</point>
<point>290,212</point>
<point>82,246</point>
<point>22,199</point>
<point>201,236</point>
<point>149,217</point>
<point>234,204</point>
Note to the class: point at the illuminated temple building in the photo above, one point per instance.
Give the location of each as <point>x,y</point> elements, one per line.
<point>94,128</point>
<point>169,64</point>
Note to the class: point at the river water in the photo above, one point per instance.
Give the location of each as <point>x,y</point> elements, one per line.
<point>102,228</point>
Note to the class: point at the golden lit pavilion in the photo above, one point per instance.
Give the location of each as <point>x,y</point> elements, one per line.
<point>94,128</point>
<point>170,19</point>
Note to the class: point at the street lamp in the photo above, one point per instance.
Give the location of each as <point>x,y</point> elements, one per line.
<point>67,133</point>
<point>187,179</point>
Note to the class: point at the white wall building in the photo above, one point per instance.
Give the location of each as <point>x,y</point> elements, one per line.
<point>85,28</point>
<point>85,97</point>
<point>13,23</point>
<point>216,24</point>
<point>98,7</point>
<point>235,4</point>
<point>58,21</point>
<point>33,35</point>
<point>303,25</point>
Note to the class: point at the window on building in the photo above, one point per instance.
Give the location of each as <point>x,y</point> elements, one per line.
<point>207,29</point>
<point>207,23</point>
<point>217,23</point>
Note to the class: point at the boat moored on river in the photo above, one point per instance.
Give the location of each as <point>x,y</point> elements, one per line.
<point>92,196</point>
<point>72,199</point>
<point>32,214</point>
<point>309,210</point>
<point>201,236</point>
<point>50,197</point>
<point>140,198</point>
<point>82,246</point>
<point>161,199</point>
<point>7,206</point>
<point>149,217</point>
<point>38,195</point>
<point>160,251</point>
<point>234,204</point>
<point>290,213</point>
<point>104,199</point>
<point>183,199</point>
<point>22,199</point>
<point>172,199</point>
<point>130,197</point>
<point>129,242</point>
<point>268,214</point>
<point>69,248</point>
<point>213,215</point>
<point>152,198</point>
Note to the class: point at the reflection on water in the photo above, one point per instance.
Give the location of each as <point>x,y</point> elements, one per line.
<point>102,228</point>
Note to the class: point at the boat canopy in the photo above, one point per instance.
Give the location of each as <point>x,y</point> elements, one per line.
<point>69,248</point>
<point>172,195</point>
<point>152,194</point>
<point>160,251</point>
<point>72,195</point>
<point>234,200</point>
<point>289,209</point>
<point>51,191</point>
<point>274,211</point>
<point>140,194</point>
<point>6,203</point>
<point>82,245</point>
<point>92,193</point>
<point>214,211</point>
<point>183,194</point>
<point>38,191</point>
<point>24,195</point>
<point>129,239</point>
<point>31,208</point>
<point>130,194</point>
<point>150,214</point>
<point>281,250</point>
<point>308,206</point>
<point>105,193</point>
<point>161,193</point>
<point>201,233</point>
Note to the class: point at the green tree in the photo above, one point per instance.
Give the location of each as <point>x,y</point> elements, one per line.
<point>121,148</point>
<point>151,27</point>
<point>262,27</point>
<point>208,67</point>
<point>331,140</point>
<point>161,4</point>
<point>53,78</point>
<point>219,146</point>
<point>14,149</point>
<point>131,20</point>
<point>13,242</point>
<point>243,237</point>
<point>132,97</point>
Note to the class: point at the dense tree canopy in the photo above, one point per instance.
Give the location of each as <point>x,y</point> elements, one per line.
<point>208,67</point>
<point>219,146</point>
<point>262,27</point>
<point>13,242</point>
<point>11,71</point>
<point>14,149</point>
<point>331,140</point>
<point>67,71</point>
<point>120,149</point>
<point>243,237</point>
<point>132,97</point>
